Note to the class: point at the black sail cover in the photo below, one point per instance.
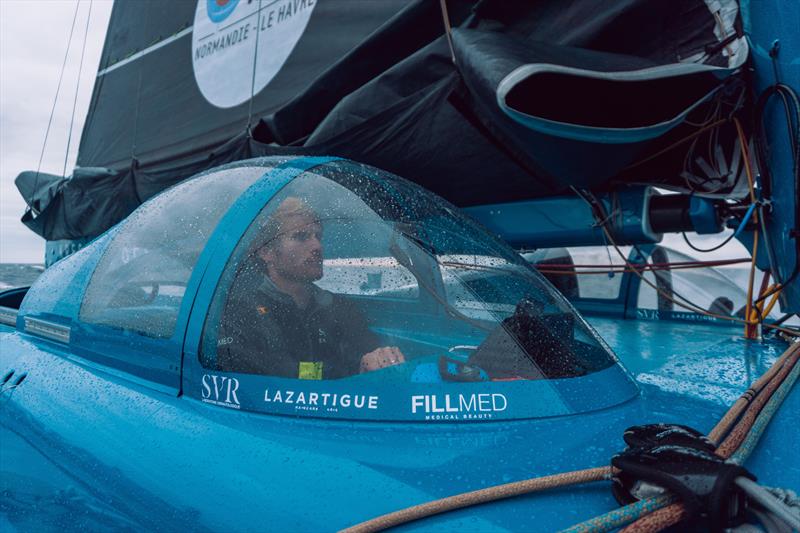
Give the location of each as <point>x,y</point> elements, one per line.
<point>524,100</point>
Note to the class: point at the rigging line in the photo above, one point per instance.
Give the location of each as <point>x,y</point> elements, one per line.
<point>597,210</point>
<point>544,269</point>
<point>677,143</point>
<point>712,249</point>
<point>783,319</point>
<point>738,230</point>
<point>448,30</point>
<point>749,331</point>
<point>737,450</point>
<point>746,428</point>
<point>665,265</point>
<point>734,414</point>
<point>562,272</point>
<point>789,123</point>
<point>644,512</point>
<point>671,297</point>
<point>77,88</point>
<point>746,159</point>
<point>762,143</point>
<point>784,91</point>
<point>253,77</point>
<point>771,304</point>
<point>55,100</point>
<point>767,500</point>
<point>773,378</point>
<point>758,308</point>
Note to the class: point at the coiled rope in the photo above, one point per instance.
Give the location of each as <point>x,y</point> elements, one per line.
<point>676,512</point>
<point>748,417</point>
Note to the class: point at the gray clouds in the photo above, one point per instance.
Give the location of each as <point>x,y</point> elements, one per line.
<point>33,41</point>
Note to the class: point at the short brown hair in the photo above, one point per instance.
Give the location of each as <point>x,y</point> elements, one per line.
<point>291,206</point>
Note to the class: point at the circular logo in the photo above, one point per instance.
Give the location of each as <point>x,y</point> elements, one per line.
<point>218,10</point>
<point>238,46</point>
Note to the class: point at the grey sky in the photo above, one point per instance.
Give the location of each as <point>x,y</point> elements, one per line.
<point>33,40</point>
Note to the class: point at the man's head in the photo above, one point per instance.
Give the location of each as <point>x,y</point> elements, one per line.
<point>293,243</point>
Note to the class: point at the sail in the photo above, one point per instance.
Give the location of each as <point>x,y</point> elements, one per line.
<point>520,100</point>
<point>173,82</point>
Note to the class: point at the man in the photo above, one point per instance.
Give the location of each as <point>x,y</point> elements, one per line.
<point>277,322</point>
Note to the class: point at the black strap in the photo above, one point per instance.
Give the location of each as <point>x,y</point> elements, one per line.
<point>682,461</point>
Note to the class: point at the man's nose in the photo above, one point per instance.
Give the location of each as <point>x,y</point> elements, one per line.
<point>315,243</point>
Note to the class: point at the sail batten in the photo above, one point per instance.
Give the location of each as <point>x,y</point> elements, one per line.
<point>137,55</point>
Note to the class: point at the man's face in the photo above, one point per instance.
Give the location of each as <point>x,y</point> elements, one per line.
<point>297,253</point>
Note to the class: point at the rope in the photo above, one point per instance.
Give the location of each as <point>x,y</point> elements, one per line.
<point>654,514</point>
<point>619,517</point>
<point>734,439</point>
<point>545,269</point>
<point>688,305</point>
<point>658,520</point>
<point>787,496</point>
<point>477,497</point>
<point>673,514</point>
<point>771,304</point>
<point>253,77</point>
<point>746,447</point>
<point>671,296</point>
<point>448,30</point>
<point>677,143</point>
<point>77,89</point>
<point>674,265</point>
<point>749,329</point>
<point>657,511</point>
<point>55,100</point>
<point>770,502</point>
<point>727,421</point>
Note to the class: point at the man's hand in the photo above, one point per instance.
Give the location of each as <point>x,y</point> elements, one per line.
<point>381,358</point>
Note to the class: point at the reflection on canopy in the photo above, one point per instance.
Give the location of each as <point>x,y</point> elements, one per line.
<point>401,270</point>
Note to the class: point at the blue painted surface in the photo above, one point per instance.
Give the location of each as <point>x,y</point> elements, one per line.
<point>88,448</point>
<point>541,223</point>
<point>703,215</point>
<point>147,460</point>
<point>94,445</point>
<point>766,22</point>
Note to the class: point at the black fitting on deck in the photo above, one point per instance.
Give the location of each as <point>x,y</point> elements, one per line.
<point>682,461</point>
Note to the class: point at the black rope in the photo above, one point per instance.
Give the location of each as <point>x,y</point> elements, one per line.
<point>712,249</point>
<point>55,100</point>
<point>448,30</point>
<point>253,76</point>
<point>77,89</point>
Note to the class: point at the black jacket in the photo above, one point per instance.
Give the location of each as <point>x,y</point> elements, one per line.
<point>263,332</point>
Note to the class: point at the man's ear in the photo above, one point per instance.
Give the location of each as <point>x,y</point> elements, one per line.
<point>266,254</point>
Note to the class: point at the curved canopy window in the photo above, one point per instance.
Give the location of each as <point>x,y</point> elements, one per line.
<point>350,272</point>
<point>140,281</point>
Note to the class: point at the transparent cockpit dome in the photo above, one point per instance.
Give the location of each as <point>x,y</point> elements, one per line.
<point>349,271</point>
